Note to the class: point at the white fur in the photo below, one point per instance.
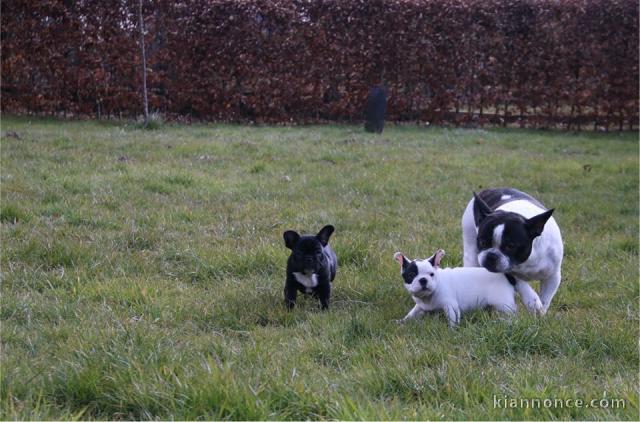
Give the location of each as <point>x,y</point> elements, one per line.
<point>503,262</point>
<point>497,234</point>
<point>543,264</point>
<point>459,290</point>
<point>309,281</point>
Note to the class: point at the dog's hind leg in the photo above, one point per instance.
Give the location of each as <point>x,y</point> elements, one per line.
<point>548,289</point>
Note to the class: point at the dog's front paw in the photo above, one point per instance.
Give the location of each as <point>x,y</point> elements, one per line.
<point>535,306</point>
<point>542,312</point>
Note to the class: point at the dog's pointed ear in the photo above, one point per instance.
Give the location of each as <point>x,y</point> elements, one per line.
<point>324,234</point>
<point>401,259</point>
<point>480,209</point>
<point>436,258</point>
<point>290,239</point>
<point>535,225</point>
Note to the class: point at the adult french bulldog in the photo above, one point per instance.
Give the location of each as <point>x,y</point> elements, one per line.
<point>507,231</point>
<point>311,267</point>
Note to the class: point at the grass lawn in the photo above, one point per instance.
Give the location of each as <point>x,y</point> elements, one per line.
<point>142,274</point>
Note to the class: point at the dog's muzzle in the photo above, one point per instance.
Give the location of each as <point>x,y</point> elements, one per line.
<point>423,293</point>
<point>494,262</point>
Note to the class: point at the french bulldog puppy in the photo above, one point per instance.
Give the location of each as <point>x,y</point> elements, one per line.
<point>311,267</point>
<point>507,231</point>
<point>453,290</point>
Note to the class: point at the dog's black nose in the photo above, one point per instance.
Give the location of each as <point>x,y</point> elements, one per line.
<point>491,262</point>
<point>423,282</point>
<point>492,258</point>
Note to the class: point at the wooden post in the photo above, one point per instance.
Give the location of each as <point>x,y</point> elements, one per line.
<point>144,66</point>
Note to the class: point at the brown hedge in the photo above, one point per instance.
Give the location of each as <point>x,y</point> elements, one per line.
<point>537,62</point>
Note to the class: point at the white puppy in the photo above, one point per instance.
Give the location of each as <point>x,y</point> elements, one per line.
<point>454,290</point>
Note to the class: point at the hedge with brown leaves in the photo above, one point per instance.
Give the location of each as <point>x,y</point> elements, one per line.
<point>537,62</point>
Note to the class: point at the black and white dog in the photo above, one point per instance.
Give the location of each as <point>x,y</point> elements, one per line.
<point>311,267</point>
<point>507,231</point>
<point>453,290</point>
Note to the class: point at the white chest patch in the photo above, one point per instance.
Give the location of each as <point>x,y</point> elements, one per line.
<point>308,281</point>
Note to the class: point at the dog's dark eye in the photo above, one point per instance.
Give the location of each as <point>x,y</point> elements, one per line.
<point>411,275</point>
<point>430,274</point>
<point>510,247</point>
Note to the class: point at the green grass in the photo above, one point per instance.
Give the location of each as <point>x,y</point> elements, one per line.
<point>142,273</point>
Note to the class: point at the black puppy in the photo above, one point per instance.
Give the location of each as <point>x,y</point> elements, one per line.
<point>311,266</point>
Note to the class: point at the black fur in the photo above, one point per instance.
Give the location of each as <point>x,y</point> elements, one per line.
<point>493,199</point>
<point>375,109</point>
<point>310,255</point>
<point>409,270</point>
<point>519,232</point>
